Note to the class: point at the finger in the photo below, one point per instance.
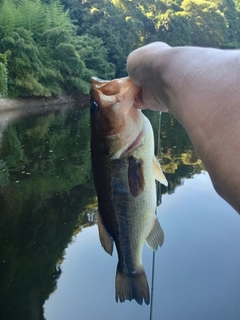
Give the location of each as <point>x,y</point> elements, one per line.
<point>134,67</point>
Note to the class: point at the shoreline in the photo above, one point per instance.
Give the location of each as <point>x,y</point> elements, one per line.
<point>7,104</point>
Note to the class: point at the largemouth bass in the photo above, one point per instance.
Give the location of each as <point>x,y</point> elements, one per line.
<point>124,171</point>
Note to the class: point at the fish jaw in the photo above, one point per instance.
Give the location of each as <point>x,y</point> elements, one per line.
<point>108,92</point>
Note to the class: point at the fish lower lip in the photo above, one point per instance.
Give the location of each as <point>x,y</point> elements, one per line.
<point>135,142</point>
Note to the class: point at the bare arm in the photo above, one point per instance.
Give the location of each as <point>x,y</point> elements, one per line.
<point>201,88</point>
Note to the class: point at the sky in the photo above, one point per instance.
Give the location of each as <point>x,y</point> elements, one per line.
<point>197,270</point>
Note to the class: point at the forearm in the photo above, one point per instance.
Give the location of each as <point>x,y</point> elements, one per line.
<point>201,89</point>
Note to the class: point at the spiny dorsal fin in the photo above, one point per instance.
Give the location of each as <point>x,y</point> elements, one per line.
<point>129,286</point>
<point>105,238</point>
<point>158,172</point>
<point>156,236</point>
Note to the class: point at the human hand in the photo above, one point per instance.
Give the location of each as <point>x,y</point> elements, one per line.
<point>144,67</point>
<point>201,89</point>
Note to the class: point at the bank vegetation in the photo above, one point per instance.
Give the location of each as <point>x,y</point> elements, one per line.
<point>50,48</point>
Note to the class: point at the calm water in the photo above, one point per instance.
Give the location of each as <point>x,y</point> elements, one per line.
<point>52,265</point>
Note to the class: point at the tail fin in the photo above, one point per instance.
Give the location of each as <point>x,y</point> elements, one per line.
<point>131,286</point>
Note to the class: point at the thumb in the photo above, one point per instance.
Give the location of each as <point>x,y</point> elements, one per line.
<point>134,66</point>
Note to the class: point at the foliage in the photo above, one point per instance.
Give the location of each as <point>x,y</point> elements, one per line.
<point>59,44</point>
<point>208,23</point>
<point>178,158</point>
<point>42,50</point>
<point>46,162</point>
<point>46,186</point>
<point>174,28</point>
<point>124,25</point>
<point>96,63</point>
<point>24,65</point>
<point>103,20</point>
<point>3,75</point>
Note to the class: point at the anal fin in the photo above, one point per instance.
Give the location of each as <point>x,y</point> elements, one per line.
<point>105,238</point>
<point>156,236</point>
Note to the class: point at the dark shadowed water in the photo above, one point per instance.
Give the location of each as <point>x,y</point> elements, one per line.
<point>52,265</point>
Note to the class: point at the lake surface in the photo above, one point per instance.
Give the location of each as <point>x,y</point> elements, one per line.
<point>52,265</point>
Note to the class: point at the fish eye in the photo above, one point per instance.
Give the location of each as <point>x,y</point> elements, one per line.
<point>94,107</point>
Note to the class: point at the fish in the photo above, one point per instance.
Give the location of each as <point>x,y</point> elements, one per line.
<point>124,171</point>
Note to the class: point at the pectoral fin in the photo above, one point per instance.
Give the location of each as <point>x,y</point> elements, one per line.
<point>105,238</point>
<point>158,172</point>
<point>156,236</point>
<point>135,176</point>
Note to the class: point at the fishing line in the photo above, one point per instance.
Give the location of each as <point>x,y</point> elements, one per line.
<point>159,196</point>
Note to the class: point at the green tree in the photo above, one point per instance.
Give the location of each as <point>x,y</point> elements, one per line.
<point>173,28</point>
<point>229,9</point>
<point>76,10</point>
<point>24,65</point>
<point>95,56</point>
<point>103,20</point>
<point>209,26</point>
<point>48,163</point>
<point>3,75</point>
<point>57,46</point>
<point>42,59</point>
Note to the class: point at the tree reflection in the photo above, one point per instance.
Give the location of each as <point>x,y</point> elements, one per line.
<point>42,201</point>
<point>178,159</point>
<point>47,196</point>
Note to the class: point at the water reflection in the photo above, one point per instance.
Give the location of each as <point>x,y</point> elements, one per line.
<point>47,198</point>
<point>178,158</point>
<point>45,171</point>
<point>196,270</point>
